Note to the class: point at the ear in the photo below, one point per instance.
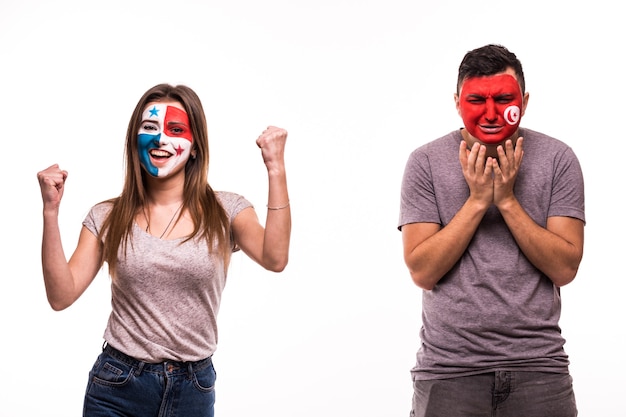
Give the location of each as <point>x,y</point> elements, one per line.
<point>525,102</point>
<point>193,154</point>
<point>457,103</point>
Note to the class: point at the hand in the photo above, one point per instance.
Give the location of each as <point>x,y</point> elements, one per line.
<point>52,182</point>
<point>272,144</point>
<point>477,172</point>
<point>506,169</point>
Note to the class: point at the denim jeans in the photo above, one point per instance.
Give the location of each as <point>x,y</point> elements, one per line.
<point>496,394</point>
<point>121,386</point>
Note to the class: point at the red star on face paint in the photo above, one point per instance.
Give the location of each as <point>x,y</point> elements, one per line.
<point>179,150</point>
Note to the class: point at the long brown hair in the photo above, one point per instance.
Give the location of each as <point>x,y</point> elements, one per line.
<point>209,218</point>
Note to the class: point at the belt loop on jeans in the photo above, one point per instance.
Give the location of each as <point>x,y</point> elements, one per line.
<point>139,368</point>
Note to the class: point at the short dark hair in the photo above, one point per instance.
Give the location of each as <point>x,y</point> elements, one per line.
<point>489,60</point>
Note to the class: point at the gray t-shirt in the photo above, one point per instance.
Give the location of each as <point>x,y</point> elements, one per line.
<point>166,296</point>
<point>493,310</point>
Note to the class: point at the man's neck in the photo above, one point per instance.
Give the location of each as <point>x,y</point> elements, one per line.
<point>491,148</point>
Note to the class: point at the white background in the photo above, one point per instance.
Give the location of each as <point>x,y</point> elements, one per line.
<point>358,85</point>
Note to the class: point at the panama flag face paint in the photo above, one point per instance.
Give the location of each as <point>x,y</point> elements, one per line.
<point>491,107</point>
<point>164,139</point>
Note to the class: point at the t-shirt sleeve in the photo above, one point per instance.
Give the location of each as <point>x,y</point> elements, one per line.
<point>568,193</point>
<point>94,219</point>
<point>233,203</point>
<point>417,195</point>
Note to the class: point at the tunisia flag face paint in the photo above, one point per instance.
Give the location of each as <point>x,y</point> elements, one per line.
<point>164,139</point>
<point>491,107</point>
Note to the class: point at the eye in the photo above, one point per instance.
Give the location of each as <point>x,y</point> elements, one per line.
<point>504,99</point>
<point>177,130</point>
<point>476,100</point>
<point>149,127</point>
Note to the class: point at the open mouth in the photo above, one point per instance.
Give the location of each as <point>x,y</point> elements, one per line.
<point>159,154</point>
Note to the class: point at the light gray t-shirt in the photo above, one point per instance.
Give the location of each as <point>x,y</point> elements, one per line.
<point>493,310</point>
<point>166,296</point>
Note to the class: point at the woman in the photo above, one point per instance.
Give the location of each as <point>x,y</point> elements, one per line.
<point>167,241</point>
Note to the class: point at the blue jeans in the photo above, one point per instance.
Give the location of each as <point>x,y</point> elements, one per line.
<point>496,394</point>
<point>121,386</point>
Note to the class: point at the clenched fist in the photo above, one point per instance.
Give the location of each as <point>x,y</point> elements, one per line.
<point>52,182</point>
<point>272,144</point>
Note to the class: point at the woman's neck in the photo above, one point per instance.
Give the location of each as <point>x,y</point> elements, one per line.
<point>164,191</point>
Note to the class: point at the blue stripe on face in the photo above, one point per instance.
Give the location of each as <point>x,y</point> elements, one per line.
<point>143,142</point>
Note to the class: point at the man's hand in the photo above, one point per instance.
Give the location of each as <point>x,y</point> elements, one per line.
<point>477,170</point>
<point>505,171</point>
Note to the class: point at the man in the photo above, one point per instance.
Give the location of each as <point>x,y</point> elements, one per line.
<point>490,240</point>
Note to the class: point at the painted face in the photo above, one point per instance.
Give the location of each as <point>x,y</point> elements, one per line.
<point>164,139</point>
<point>491,107</point>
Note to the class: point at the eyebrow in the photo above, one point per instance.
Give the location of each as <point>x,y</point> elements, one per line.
<point>176,123</point>
<point>499,95</point>
<point>474,95</point>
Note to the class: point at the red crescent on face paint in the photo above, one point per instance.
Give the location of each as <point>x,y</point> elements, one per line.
<point>511,115</point>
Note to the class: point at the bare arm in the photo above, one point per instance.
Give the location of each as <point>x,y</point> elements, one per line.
<point>555,250</point>
<point>269,245</point>
<point>431,251</point>
<point>65,281</point>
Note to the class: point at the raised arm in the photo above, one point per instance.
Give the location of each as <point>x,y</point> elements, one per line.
<point>269,245</point>
<point>65,281</point>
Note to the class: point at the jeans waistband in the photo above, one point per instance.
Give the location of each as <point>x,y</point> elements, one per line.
<point>165,366</point>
